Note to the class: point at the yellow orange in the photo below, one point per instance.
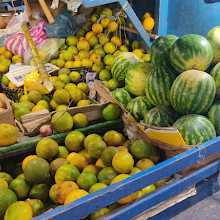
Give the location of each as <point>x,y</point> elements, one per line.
<point>97,28</point>
<point>70,157</point>
<point>95,58</point>
<point>129,198</point>
<point>116,41</point>
<point>89,34</point>
<point>105,21</point>
<point>38,107</point>
<point>148,24</point>
<point>27,159</point>
<point>112,26</point>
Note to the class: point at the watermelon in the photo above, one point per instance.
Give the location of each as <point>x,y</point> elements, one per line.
<point>158,85</point>
<point>192,92</point>
<point>161,116</point>
<point>214,116</point>
<point>195,129</point>
<point>191,52</point>
<point>122,95</point>
<point>160,50</point>
<point>215,73</point>
<point>136,76</point>
<point>120,64</point>
<point>213,37</point>
<point>138,107</point>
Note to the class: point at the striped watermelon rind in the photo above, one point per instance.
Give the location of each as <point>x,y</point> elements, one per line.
<point>192,92</point>
<point>138,107</point>
<point>158,85</point>
<point>215,73</point>
<point>195,129</point>
<point>161,116</point>
<point>191,52</point>
<point>121,63</point>
<point>160,50</point>
<point>214,116</point>
<point>136,76</point>
<point>213,37</point>
<point>122,95</point>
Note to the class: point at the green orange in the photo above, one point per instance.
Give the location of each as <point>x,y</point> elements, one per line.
<point>20,187</point>
<point>90,138</point>
<point>111,112</point>
<point>80,120</point>
<point>37,206</point>
<point>97,187</point>
<point>108,154</point>
<point>106,175</point>
<point>74,141</point>
<point>86,180</point>
<point>66,172</point>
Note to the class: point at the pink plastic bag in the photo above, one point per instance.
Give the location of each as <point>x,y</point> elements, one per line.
<point>18,44</point>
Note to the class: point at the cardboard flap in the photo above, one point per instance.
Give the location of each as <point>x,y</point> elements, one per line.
<point>33,120</point>
<point>7,115</point>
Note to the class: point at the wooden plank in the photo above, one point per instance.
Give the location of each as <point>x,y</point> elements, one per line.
<point>153,36</point>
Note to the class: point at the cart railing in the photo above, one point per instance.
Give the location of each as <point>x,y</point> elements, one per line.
<point>104,197</point>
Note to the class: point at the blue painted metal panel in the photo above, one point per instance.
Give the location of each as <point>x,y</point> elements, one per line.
<point>204,189</point>
<point>162,194</point>
<point>161,17</point>
<point>191,17</point>
<point>113,193</point>
<point>94,3</point>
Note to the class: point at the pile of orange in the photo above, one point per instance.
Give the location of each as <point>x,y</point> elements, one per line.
<point>63,174</point>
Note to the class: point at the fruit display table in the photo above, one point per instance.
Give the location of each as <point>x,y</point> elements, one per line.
<point>166,134</point>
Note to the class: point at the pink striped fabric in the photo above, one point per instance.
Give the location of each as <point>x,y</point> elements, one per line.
<point>18,44</point>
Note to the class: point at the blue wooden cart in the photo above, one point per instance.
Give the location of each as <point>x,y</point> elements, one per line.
<point>172,17</point>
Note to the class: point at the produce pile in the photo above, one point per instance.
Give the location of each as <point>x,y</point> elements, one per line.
<point>95,45</point>
<point>174,89</point>
<point>63,174</point>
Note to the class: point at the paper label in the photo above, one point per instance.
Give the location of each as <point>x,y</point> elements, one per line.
<point>55,4</point>
<point>73,5</point>
<point>17,73</point>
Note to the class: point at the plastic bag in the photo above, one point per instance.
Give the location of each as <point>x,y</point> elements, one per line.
<point>16,24</point>
<point>18,44</point>
<point>64,26</point>
<point>46,49</point>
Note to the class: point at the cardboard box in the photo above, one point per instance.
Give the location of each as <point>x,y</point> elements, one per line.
<point>7,115</point>
<point>32,122</point>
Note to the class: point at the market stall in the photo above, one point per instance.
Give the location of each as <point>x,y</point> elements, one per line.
<point>108,110</point>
